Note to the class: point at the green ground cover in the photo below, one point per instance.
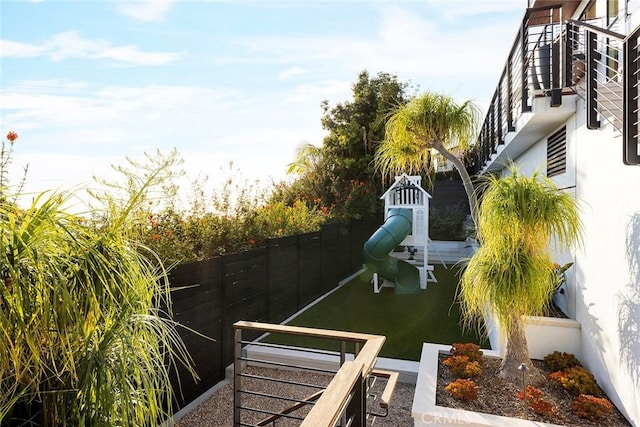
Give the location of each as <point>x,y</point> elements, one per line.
<point>407,321</point>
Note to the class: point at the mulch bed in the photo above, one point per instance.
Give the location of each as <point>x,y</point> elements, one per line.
<point>499,397</point>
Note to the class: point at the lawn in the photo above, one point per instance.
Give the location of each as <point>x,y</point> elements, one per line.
<point>431,315</point>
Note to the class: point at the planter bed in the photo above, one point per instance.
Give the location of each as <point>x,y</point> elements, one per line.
<point>426,410</point>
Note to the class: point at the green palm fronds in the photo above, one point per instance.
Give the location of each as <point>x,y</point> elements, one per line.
<point>425,122</point>
<point>430,121</point>
<point>86,336</point>
<point>511,272</point>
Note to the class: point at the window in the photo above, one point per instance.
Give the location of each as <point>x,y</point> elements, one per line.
<point>557,153</point>
<point>612,11</point>
<point>589,11</point>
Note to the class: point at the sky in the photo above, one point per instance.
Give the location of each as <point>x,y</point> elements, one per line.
<point>88,83</point>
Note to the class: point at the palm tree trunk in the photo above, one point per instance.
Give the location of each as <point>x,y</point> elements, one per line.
<point>466,179</point>
<point>517,354</point>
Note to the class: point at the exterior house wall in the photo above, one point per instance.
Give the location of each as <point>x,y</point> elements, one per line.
<point>608,276</point>
<point>535,159</point>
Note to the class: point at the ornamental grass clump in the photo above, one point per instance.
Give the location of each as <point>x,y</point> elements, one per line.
<point>86,336</point>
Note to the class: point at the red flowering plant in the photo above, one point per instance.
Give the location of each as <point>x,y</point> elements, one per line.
<point>6,155</point>
<point>233,217</point>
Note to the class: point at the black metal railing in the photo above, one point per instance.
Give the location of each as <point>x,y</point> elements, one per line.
<point>551,57</point>
<point>533,69</point>
<point>631,103</point>
<point>594,58</point>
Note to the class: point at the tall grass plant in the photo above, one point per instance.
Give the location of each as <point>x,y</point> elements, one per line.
<point>86,335</point>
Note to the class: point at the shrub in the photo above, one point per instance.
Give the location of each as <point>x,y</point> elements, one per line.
<point>535,401</point>
<point>577,380</point>
<point>472,351</point>
<point>557,361</point>
<point>591,407</point>
<point>231,217</point>
<point>86,331</point>
<point>447,223</point>
<point>461,367</point>
<point>462,389</point>
<point>557,276</point>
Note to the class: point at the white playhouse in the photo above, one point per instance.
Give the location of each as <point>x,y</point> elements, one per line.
<point>404,236</point>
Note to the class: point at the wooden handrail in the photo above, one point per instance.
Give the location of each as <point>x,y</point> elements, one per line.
<point>328,409</point>
<point>389,388</point>
<point>299,330</point>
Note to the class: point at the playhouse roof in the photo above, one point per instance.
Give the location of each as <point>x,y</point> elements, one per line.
<point>403,179</point>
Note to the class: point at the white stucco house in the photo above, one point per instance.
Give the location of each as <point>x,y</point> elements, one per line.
<point>567,104</point>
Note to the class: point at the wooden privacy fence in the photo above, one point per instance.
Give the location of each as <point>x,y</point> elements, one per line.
<point>262,285</point>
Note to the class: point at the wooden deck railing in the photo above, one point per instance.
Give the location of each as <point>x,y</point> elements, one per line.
<point>343,402</point>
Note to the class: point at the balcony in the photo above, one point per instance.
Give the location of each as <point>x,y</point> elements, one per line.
<point>553,61</point>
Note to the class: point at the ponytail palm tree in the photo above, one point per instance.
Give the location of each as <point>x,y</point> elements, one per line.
<point>430,121</point>
<point>511,273</point>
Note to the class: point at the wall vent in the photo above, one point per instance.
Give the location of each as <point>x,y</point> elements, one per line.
<point>557,153</point>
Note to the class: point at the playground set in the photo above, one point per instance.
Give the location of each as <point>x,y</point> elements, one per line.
<point>397,253</point>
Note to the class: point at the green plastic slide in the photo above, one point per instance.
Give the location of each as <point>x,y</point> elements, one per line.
<point>377,249</point>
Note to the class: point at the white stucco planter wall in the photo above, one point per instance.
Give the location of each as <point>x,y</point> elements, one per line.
<point>425,412</point>
<point>544,335</point>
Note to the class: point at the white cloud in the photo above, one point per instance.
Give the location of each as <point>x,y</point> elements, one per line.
<point>209,126</point>
<point>420,47</point>
<point>10,48</point>
<point>325,89</point>
<point>70,45</point>
<point>145,10</point>
<point>292,72</point>
<point>462,9</point>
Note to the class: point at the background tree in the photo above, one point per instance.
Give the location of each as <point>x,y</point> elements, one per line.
<point>339,173</point>
<point>430,121</point>
<point>512,272</point>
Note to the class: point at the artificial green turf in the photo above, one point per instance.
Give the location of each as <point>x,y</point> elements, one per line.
<point>431,315</point>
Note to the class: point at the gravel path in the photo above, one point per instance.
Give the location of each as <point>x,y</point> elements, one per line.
<point>217,411</point>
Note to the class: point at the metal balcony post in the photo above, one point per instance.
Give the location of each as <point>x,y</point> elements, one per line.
<point>568,54</point>
<point>556,90</point>
<point>592,80</point>
<point>492,125</point>
<point>499,129</point>
<point>356,409</point>
<point>630,103</point>
<point>510,126</point>
<point>524,74</point>
<point>237,368</point>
